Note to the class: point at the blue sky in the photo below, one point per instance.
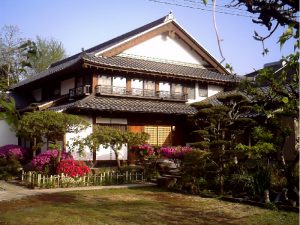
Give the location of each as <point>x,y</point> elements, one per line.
<point>86,23</point>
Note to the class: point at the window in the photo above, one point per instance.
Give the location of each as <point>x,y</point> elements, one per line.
<point>176,88</point>
<point>117,123</point>
<point>176,91</point>
<point>119,85</point>
<point>203,90</point>
<point>149,88</point>
<point>159,135</point>
<point>164,89</point>
<point>191,92</point>
<point>137,87</point>
<point>104,80</point>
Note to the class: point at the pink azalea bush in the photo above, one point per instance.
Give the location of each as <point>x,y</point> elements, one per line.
<point>72,168</point>
<point>144,151</point>
<point>175,152</point>
<point>147,151</point>
<point>15,151</point>
<point>47,160</point>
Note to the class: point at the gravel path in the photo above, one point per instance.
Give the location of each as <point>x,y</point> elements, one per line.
<point>11,191</point>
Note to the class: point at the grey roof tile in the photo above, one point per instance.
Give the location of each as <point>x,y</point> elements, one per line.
<point>178,70</point>
<point>47,72</point>
<point>104,103</point>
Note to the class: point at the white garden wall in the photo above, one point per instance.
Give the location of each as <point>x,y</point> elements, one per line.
<point>7,136</point>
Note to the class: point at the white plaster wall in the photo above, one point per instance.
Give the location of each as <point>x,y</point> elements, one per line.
<point>214,89</point>
<point>37,94</point>
<point>166,48</point>
<point>7,136</point>
<point>86,154</point>
<point>101,154</point>
<point>108,153</point>
<point>66,85</point>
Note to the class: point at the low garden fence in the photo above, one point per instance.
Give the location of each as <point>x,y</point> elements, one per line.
<point>38,180</point>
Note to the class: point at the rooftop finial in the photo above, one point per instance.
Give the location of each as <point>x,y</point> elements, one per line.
<point>169,17</point>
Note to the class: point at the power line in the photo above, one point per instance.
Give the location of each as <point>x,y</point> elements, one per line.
<point>226,7</point>
<point>180,4</point>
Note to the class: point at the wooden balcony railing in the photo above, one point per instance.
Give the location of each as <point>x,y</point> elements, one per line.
<point>146,93</point>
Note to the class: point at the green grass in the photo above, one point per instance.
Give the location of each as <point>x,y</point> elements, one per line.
<point>134,206</point>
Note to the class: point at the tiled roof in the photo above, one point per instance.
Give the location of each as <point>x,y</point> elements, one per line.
<point>178,70</point>
<point>214,98</point>
<point>88,55</point>
<point>104,103</point>
<point>137,65</point>
<point>48,72</point>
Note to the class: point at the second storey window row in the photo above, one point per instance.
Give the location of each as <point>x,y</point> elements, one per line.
<point>148,88</point>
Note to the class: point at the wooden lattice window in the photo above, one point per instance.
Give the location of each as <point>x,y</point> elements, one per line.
<point>159,135</point>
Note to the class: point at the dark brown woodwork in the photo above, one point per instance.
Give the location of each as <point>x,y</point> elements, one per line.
<point>94,82</point>
<point>128,84</point>
<point>156,86</point>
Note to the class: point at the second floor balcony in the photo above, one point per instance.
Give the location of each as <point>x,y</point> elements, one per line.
<point>139,92</point>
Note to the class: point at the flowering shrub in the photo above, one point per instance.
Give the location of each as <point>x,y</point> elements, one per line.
<point>16,151</point>
<point>147,151</point>
<point>175,152</point>
<point>144,151</point>
<point>72,168</point>
<point>46,160</point>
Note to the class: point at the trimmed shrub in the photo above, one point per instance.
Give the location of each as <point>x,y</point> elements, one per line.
<point>241,184</point>
<point>72,168</point>
<point>9,167</point>
<point>46,161</point>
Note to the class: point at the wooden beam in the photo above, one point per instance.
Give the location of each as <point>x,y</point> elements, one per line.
<point>94,81</point>
<point>128,84</point>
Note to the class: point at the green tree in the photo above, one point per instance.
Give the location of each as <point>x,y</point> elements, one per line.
<point>113,138</point>
<point>219,128</point>
<point>48,52</point>
<point>50,125</point>
<point>8,111</point>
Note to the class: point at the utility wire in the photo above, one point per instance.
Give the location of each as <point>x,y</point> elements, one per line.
<point>200,8</point>
<point>228,7</point>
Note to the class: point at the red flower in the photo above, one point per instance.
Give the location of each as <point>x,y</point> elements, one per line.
<point>73,168</point>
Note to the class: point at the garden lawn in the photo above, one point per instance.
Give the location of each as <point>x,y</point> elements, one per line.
<point>134,206</point>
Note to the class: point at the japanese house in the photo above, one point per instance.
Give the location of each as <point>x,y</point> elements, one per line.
<point>142,80</point>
